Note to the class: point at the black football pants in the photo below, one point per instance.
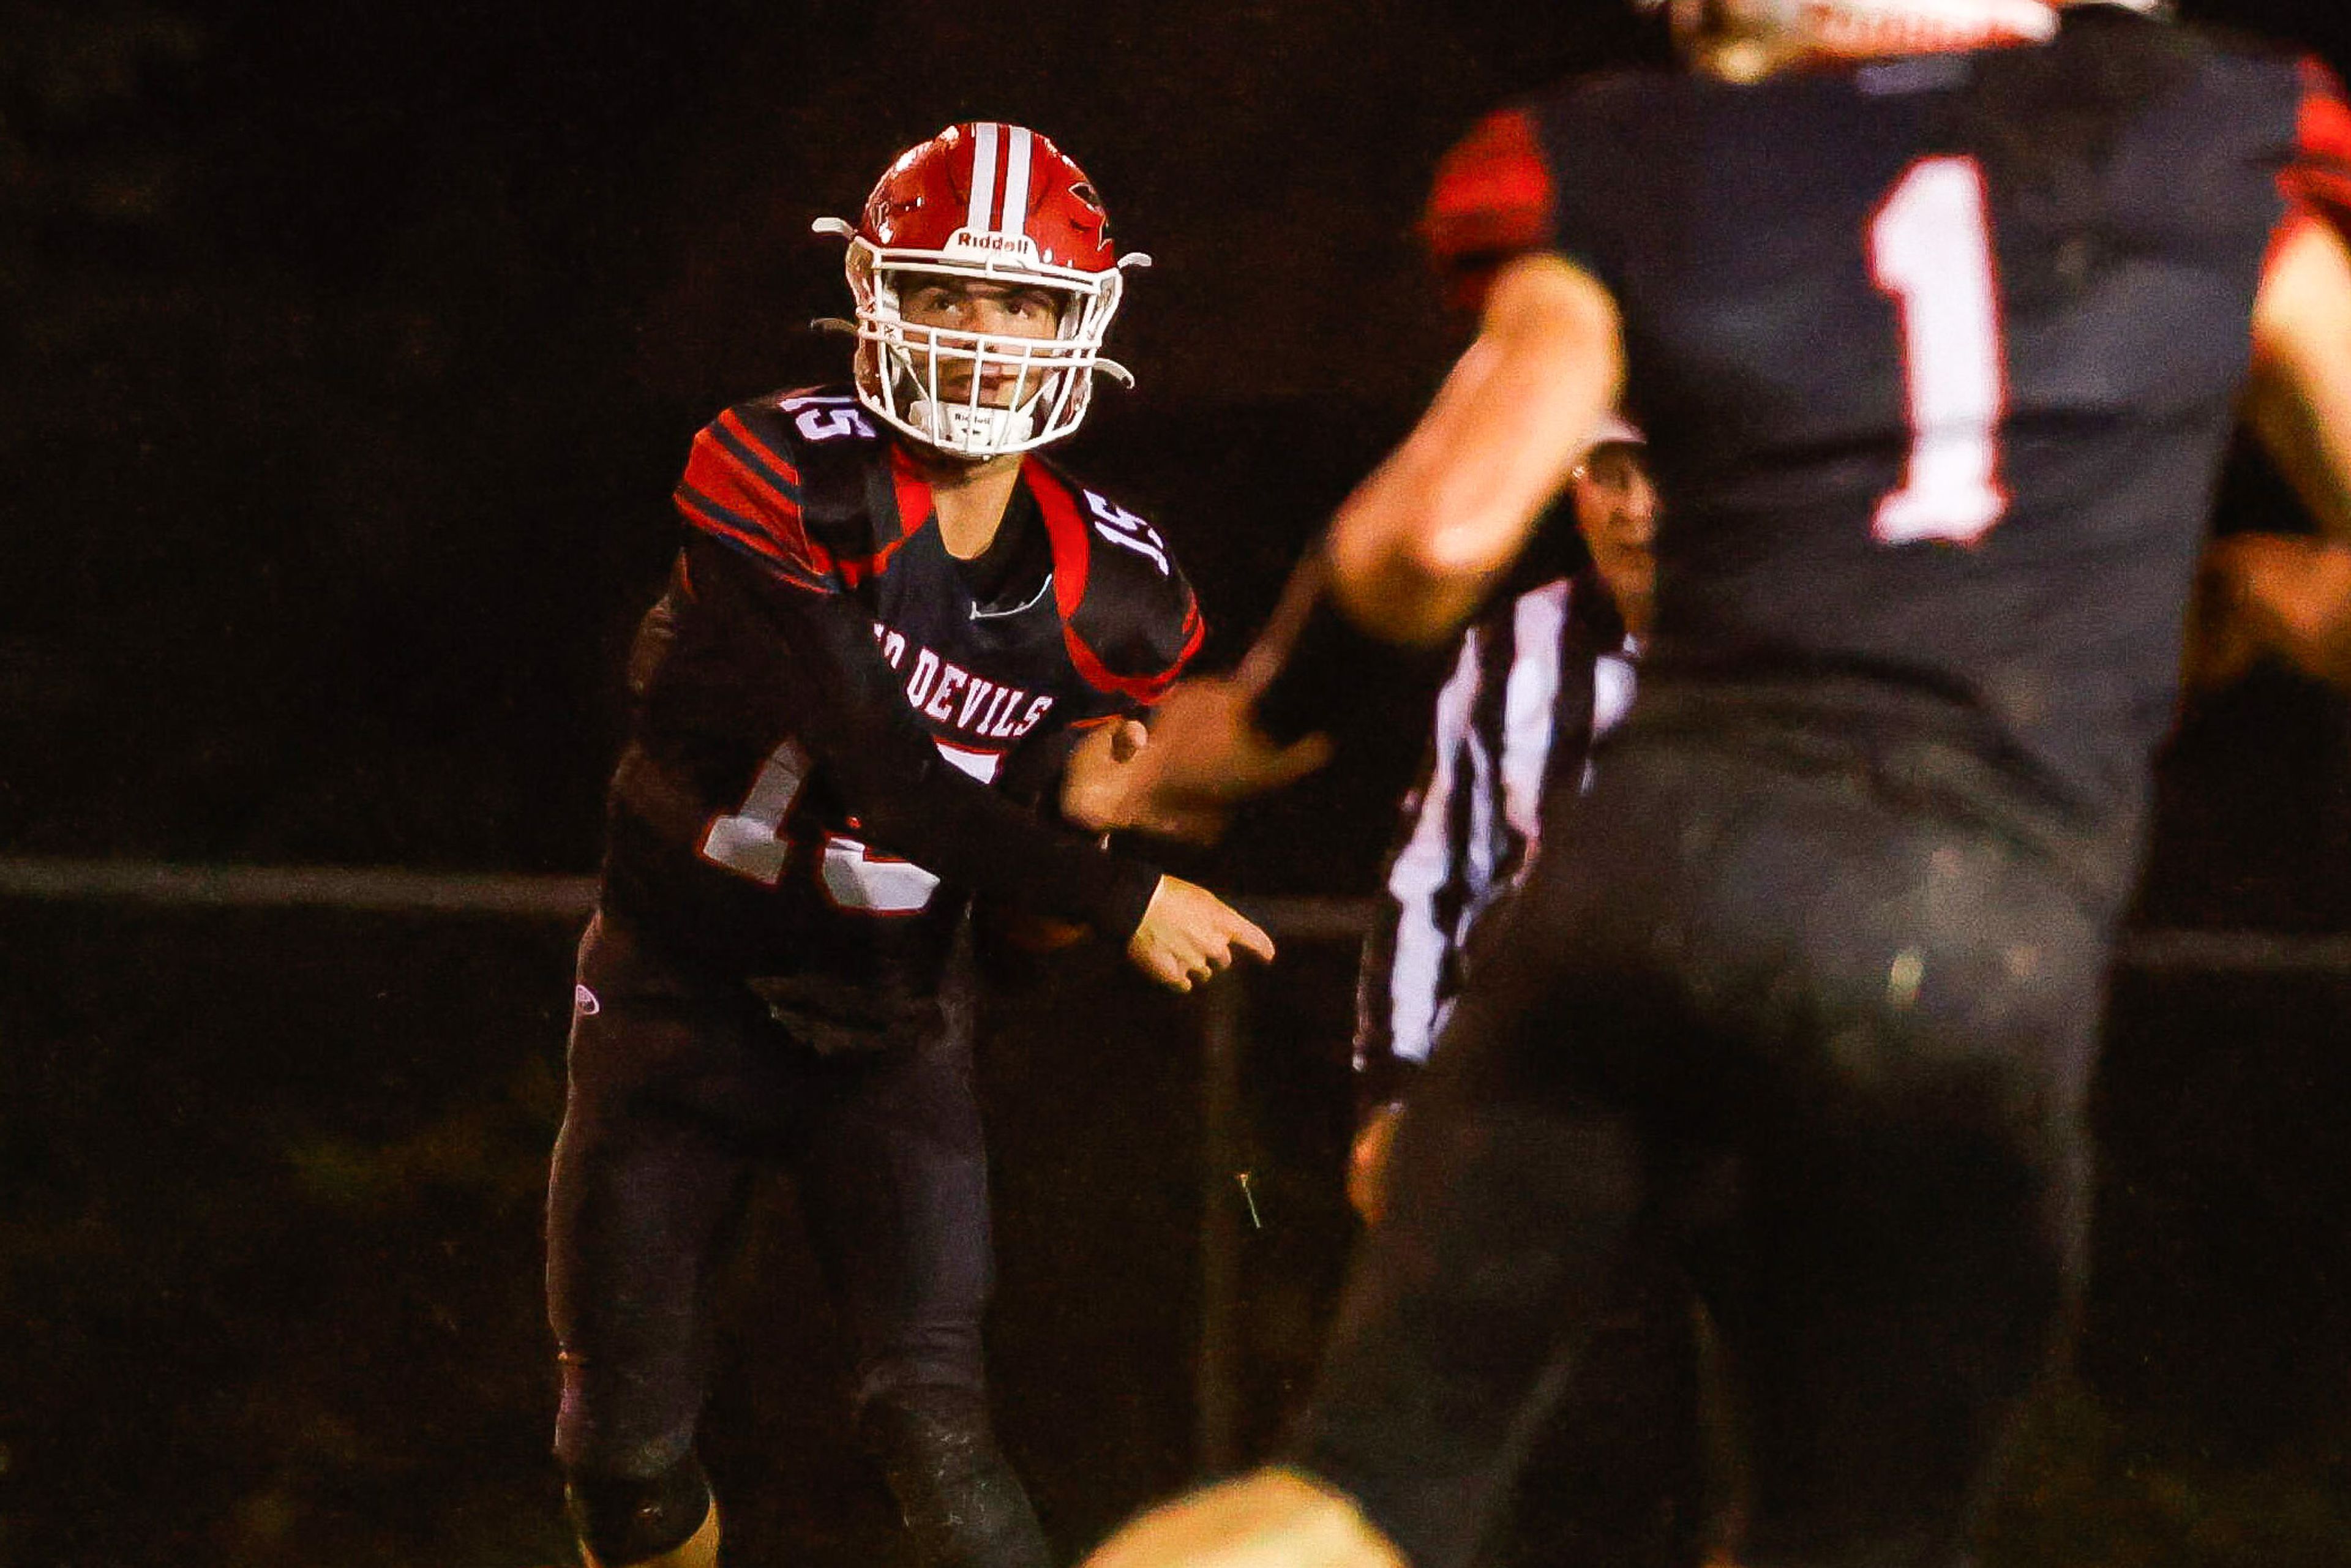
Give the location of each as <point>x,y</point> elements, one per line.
<point>1855,979</point>
<point>679,1090</point>
<point>1618,1474</point>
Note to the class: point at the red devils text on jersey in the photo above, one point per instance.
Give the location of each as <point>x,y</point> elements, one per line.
<point>839,725</point>
<point>1929,407</point>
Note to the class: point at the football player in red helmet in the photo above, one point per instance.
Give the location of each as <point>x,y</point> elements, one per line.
<point>897,668</point>
<point>983,211</point>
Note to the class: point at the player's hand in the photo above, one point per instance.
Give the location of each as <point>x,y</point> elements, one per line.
<point>1367,1162</point>
<point>1206,758</point>
<point>2217,647</point>
<point>1269,1519</point>
<point>1095,786</point>
<point>1188,935</point>
<point>2272,593</point>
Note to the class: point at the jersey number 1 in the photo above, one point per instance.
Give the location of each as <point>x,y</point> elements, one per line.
<point>1930,249</point>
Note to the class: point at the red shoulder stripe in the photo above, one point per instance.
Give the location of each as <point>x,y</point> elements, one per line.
<point>1493,200</point>
<point>2320,174</point>
<point>733,423</point>
<point>1066,531</point>
<point>722,492</point>
<point>784,568</point>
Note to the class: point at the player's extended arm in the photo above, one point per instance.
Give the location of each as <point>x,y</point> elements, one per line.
<point>2301,401</point>
<point>907,799</point>
<point>1418,546</point>
<point>2291,595</point>
<point>1423,541</point>
<point>911,801</point>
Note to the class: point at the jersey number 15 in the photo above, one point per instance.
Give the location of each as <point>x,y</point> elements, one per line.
<point>751,841</point>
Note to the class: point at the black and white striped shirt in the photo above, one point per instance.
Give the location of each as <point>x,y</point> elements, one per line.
<point>1540,676</point>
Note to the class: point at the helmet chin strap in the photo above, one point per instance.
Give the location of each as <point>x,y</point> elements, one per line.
<point>972,432</point>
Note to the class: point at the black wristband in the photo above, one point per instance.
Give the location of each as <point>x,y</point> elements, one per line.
<point>1335,677</point>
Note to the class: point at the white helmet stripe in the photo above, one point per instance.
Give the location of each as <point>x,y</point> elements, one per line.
<point>983,177</point>
<point>1015,181</point>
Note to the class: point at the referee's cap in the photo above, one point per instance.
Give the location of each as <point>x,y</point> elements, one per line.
<point>1615,430</point>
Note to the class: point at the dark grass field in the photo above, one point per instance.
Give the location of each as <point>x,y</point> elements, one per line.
<point>271,1269</point>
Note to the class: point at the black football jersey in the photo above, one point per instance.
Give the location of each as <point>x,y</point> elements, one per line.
<point>1937,356</point>
<point>757,822</point>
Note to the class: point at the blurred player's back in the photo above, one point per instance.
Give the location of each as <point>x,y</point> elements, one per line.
<point>1938,353</point>
<point>1938,357</point>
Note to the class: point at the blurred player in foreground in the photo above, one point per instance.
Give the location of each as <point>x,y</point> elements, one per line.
<point>1939,314</point>
<point>891,631</point>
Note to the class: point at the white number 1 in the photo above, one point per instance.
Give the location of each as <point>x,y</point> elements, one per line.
<point>1930,248</point>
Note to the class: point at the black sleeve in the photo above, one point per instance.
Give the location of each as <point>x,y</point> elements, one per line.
<point>816,653</point>
<point>1032,774</point>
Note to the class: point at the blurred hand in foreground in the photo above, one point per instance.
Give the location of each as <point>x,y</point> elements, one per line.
<point>1270,1519</point>
<point>1205,758</point>
<point>2279,594</point>
<point>1095,784</point>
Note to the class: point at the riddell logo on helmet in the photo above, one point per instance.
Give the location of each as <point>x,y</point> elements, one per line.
<point>994,244</point>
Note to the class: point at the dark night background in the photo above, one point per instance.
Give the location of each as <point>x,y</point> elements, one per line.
<point>350,351</point>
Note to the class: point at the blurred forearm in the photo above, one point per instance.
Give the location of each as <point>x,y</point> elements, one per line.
<point>1418,545</point>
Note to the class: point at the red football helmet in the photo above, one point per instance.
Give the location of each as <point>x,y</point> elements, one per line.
<point>1000,203</point>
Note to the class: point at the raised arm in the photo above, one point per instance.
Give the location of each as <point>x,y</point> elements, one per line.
<point>2301,393</point>
<point>2292,596</point>
<point>1420,543</point>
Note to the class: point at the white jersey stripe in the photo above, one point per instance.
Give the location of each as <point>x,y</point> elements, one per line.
<point>983,177</point>
<point>1531,696</point>
<point>1015,181</point>
<point>1421,869</point>
<point>1485,781</point>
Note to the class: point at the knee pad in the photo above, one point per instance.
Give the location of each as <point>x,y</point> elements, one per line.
<point>962,1502</point>
<point>629,1519</point>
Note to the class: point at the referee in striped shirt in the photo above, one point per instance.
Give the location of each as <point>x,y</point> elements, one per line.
<point>1621,1476</point>
<point>1541,674</point>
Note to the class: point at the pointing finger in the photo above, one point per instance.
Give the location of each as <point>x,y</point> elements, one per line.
<point>1251,938</point>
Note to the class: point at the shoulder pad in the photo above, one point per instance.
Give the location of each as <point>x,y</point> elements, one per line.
<point>784,478</point>
<point>742,487</point>
<point>1128,613</point>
